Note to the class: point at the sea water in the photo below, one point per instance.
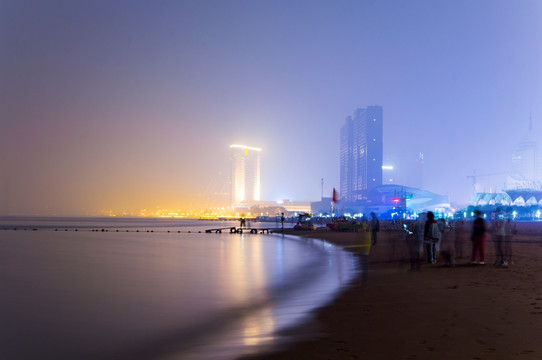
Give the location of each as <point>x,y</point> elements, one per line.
<point>155,289</point>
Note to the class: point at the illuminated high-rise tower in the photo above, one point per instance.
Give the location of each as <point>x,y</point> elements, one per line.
<point>361,153</point>
<point>245,175</point>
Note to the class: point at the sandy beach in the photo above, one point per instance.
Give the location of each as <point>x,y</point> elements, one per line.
<point>464,312</point>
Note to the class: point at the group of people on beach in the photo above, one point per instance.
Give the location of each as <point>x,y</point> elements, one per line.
<point>429,233</point>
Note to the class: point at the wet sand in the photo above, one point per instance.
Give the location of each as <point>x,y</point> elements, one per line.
<point>465,312</point>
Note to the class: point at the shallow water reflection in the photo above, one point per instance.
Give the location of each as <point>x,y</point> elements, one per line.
<point>92,295</point>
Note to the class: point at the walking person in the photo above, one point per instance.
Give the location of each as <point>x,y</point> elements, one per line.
<point>431,236</point>
<point>282,221</point>
<point>478,238</point>
<point>375,227</point>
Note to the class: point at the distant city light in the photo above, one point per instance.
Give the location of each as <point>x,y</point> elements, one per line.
<point>245,147</point>
<point>387,167</point>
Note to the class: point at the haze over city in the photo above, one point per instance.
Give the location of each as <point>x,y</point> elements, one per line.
<point>133,105</point>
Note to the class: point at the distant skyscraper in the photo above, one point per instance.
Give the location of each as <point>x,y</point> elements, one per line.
<point>361,153</point>
<point>245,175</point>
<point>525,160</point>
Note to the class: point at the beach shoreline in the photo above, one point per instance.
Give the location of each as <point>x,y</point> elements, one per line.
<point>465,312</point>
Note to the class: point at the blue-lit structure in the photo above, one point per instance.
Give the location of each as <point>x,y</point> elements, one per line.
<point>509,197</point>
<point>389,201</point>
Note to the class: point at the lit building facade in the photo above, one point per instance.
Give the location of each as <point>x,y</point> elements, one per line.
<point>361,153</point>
<point>245,175</point>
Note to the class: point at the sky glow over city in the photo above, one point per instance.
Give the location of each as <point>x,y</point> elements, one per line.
<point>131,105</point>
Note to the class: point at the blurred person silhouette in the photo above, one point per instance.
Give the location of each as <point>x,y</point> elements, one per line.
<point>431,235</point>
<point>364,239</point>
<point>510,231</point>
<point>375,227</point>
<point>442,228</point>
<point>446,250</point>
<point>478,238</point>
<point>282,220</point>
<point>415,243</point>
<point>499,232</point>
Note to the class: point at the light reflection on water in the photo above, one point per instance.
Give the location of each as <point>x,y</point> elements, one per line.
<point>155,295</point>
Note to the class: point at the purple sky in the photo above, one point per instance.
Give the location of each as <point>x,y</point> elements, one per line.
<point>131,105</point>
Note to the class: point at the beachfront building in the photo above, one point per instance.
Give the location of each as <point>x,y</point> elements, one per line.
<point>361,153</point>
<point>245,175</point>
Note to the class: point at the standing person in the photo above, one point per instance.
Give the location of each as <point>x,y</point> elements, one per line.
<point>375,227</point>
<point>431,236</point>
<point>242,221</point>
<point>282,221</point>
<point>478,238</point>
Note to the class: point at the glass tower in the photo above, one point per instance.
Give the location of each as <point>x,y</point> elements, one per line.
<point>361,153</point>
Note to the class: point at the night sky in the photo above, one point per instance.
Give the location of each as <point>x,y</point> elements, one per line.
<point>126,105</point>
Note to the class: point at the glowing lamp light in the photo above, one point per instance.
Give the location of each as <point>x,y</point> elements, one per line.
<point>387,167</point>
<point>396,200</point>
